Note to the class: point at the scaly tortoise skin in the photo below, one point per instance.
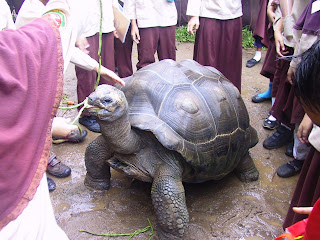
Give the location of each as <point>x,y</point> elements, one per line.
<point>171,123</point>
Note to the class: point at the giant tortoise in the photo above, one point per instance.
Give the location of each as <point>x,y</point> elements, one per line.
<point>171,123</point>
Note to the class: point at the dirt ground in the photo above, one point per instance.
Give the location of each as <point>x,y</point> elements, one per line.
<point>227,209</point>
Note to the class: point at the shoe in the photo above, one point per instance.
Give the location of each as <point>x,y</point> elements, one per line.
<point>279,138</point>
<point>290,168</point>
<point>75,136</point>
<point>289,149</point>
<point>91,123</point>
<point>258,99</point>
<point>270,124</point>
<point>252,62</point>
<point>56,168</point>
<point>51,184</point>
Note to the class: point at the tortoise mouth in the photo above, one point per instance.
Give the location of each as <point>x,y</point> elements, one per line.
<point>104,114</point>
<point>101,113</point>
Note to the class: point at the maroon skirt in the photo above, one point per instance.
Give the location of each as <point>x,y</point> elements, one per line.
<point>156,39</point>
<point>262,23</point>
<point>307,191</point>
<point>269,65</point>
<point>287,109</point>
<point>123,56</point>
<point>219,44</point>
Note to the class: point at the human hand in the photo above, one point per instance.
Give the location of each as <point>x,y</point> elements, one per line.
<point>82,44</point>
<point>61,127</point>
<point>135,35</point>
<point>290,75</point>
<point>271,14</point>
<point>302,210</point>
<point>304,129</point>
<point>278,38</point>
<point>115,34</point>
<point>193,25</point>
<point>109,75</point>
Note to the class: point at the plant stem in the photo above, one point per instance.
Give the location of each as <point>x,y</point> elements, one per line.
<point>100,44</point>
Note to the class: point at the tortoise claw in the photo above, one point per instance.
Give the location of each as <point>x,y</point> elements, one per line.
<point>248,176</point>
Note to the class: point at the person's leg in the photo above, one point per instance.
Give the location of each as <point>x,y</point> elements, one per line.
<point>282,100</point>
<point>261,97</point>
<point>147,47</point>
<point>86,82</point>
<point>268,70</point>
<point>107,54</point>
<point>257,57</point>
<point>87,79</point>
<point>123,56</point>
<point>37,221</point>
<point>300,152</point>
<point>230,54</point>
<point>167,43</point>
<point>212,49</point>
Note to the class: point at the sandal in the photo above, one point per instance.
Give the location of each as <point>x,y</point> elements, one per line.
<point>75,136</point>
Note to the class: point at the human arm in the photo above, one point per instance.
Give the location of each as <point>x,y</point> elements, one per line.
<point>129,10</point>
<point>193,10</point>
<point>290,74</point>
<point>82,44</point>
<point>305,129</point>
<point>193,25</point>
<point>84,61</point>
<point>135,35</point>
<point>286,7</point>
<point>278,38</point>
<point>271,13</point>
<point>288,20</point>
<point>109,75</point>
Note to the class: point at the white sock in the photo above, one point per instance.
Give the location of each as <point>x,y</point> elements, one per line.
<point>273,100</point>
<point>272,118</point>
<point>257,56</point>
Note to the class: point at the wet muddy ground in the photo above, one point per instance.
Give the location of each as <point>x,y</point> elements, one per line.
<point>227,209</point>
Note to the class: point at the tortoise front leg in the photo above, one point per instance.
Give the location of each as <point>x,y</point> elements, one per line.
<point>98,171</point>
<point>168,198</point>
<point>246,170</point>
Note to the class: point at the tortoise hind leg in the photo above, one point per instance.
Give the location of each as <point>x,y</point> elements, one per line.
<point>246,170</point>
<point>168,198</point>
<point>98,171</point>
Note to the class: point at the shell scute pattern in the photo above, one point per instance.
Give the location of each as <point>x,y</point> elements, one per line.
<point>191,109</point>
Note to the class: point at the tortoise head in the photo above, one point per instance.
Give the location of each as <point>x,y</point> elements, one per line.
<point>107,103</point>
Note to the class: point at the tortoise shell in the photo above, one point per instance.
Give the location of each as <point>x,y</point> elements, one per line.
<point>193,110</point>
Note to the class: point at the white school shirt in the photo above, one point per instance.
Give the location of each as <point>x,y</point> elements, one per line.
<point>95,14</point>
<point>6,21</point>
<point>217,9</point>
<point>151,13</point>
<point>32,9</point>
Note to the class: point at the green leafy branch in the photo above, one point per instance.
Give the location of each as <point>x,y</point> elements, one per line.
<point>131,235</point>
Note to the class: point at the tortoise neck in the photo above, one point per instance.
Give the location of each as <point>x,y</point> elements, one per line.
<point>120,136</point>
